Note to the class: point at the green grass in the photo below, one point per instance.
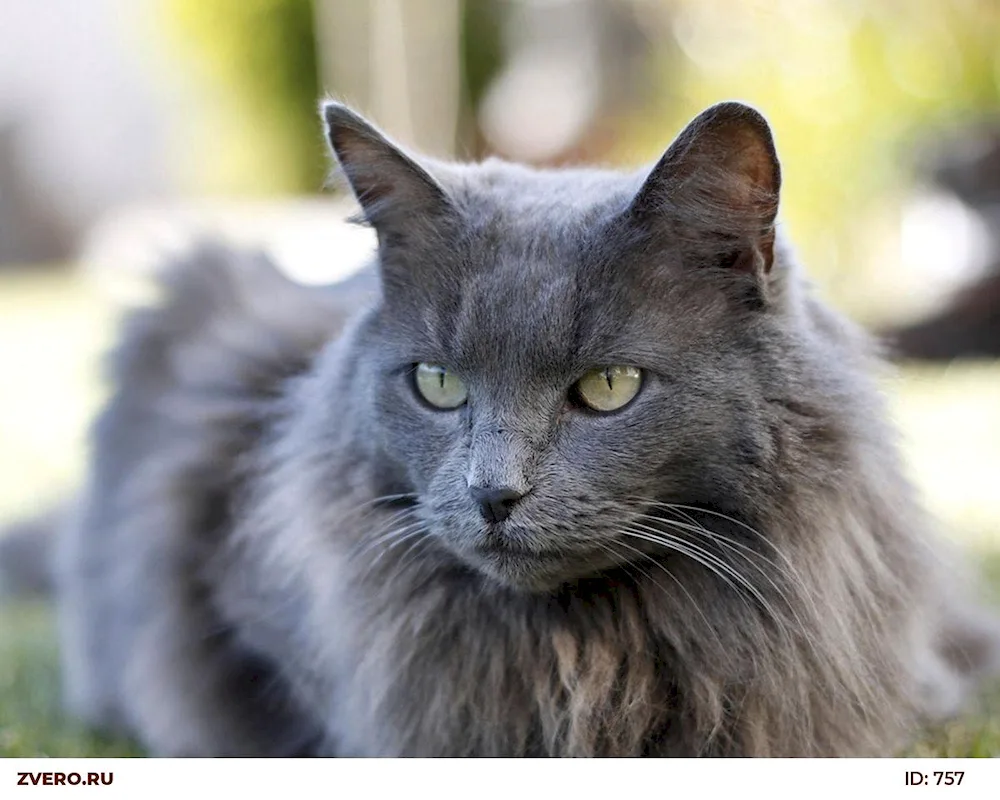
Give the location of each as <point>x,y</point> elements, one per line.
<point>32,723</point>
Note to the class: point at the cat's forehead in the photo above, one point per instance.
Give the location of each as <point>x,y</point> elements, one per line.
<point>514,192</point>
<point>533,312</point>
<point>519,314</point>
<point>540,280</point>
<point>523,227</point>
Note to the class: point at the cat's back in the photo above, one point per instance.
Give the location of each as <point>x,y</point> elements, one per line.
<point>194,380</point>
<point>226,332</point>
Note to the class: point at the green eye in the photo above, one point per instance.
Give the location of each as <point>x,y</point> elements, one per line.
<point>439,387</point>
<point>609,388</point>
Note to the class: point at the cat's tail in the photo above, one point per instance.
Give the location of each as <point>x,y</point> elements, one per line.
<point>965,652</point>
<point>26,555</point>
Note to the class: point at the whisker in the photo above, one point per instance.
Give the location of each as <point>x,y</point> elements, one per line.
<point>742,550</point>
<point>398,536</point>
<point>371,505</point>
<point>787,568</point>
<point>663,568</point>
<point>722,568</point>
<point>384,532</point>
<point>413,530</point>
<point>733,546</point>
<point>676,544</point>
<point>748,528</point>
<point>413,551</point>
<point>710,561</point>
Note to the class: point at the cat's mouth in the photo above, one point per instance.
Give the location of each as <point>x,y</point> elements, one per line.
<point>498,543</point>
<point>534,568</point>
<point>516,570</point>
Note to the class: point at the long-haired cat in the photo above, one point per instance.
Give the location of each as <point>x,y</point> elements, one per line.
<point>579,467</point>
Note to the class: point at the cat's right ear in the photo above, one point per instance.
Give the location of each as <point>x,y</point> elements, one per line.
<point>393,190</point>
<point>716,187</point>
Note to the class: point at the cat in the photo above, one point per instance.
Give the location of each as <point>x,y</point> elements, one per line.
<point>579,466</point>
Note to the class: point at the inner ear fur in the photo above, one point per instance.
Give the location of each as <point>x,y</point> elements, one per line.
<point>718,182</point>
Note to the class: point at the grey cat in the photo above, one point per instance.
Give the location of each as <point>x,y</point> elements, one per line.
<point>579,467</point>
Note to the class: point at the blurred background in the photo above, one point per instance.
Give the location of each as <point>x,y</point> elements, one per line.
<point>129,127</point>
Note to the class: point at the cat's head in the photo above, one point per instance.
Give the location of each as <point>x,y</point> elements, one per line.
<point>559,351</point>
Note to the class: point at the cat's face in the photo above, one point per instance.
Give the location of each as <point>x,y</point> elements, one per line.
<point>551,367</point>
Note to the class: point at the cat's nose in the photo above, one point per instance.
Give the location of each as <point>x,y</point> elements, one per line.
<point>495,504</point>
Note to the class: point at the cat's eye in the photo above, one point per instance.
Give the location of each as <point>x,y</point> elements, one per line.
<point>440,387</point>
<point>609,388</point>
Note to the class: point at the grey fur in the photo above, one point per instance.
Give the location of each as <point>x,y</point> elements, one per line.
<point>278,552</point>
<point>26,555</point>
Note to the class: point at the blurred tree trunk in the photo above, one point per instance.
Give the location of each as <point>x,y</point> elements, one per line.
<point>398,60</point>
<point>31,230</point>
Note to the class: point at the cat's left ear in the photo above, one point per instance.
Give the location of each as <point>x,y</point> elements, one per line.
<point>394,191</point>
<point>718,183</point>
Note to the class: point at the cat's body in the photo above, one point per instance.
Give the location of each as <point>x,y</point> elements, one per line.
<point>277,552</point>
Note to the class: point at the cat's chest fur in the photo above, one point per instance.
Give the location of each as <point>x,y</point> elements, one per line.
<point>435,663</point>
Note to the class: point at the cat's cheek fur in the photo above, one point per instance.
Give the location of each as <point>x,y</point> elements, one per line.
<point>442,434</point>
